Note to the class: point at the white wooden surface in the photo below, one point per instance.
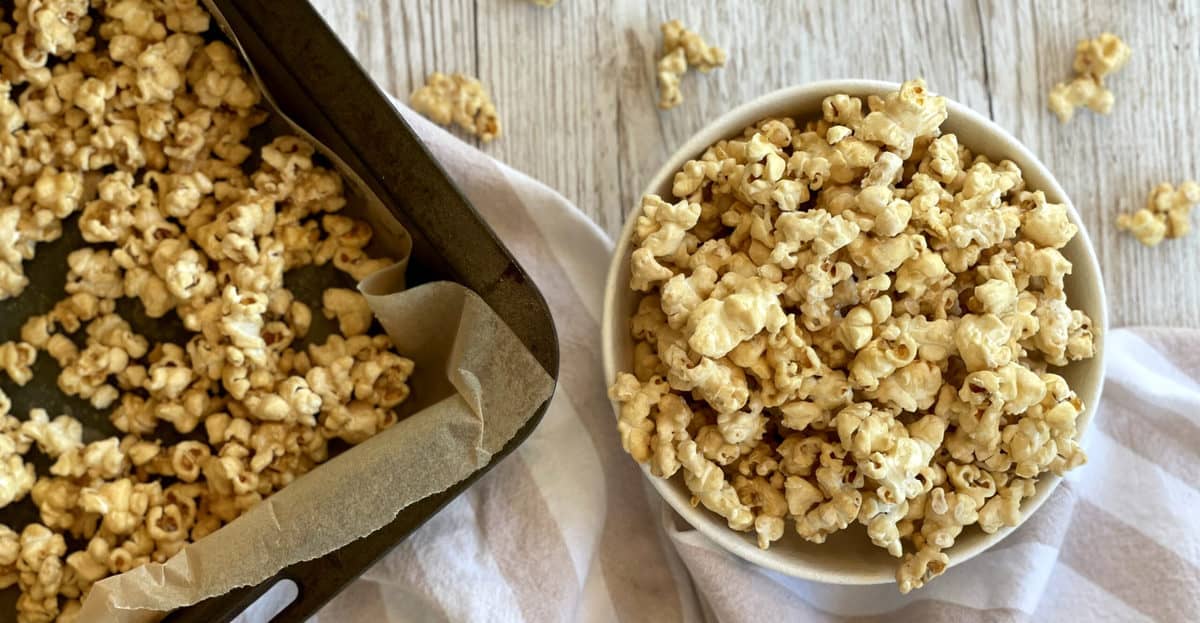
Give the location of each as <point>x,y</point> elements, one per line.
<point>575,89</point>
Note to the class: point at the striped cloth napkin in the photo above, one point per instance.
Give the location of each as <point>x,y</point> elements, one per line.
<point>566,528</point>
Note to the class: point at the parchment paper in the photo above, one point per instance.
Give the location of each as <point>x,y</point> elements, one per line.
<point>475,383</point>
<point>490,383</point>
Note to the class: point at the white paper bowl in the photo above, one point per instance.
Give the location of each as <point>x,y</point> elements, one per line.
<point>848,557</point>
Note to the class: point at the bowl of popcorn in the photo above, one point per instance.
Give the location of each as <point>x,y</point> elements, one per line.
<point>854,333</point>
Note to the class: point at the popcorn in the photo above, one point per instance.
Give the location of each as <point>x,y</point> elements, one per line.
<point>709,487</point>
<point>671,68</point>
<point>1167,214</point>
<point>1094,60</point>
<point>899,118</point>
<point>460,100</point>
<point>682,48</point>
<point>128,115</point>
<point>16,358</point>
<point>848,320</point>
<point>661,227</point>
<point>1101,56</point>
<point>721,322</point>
<point>1084,90</point>
<point>16,476</point>
<point>97,460</point>
<point>353,314</point>
<point>54,437</point>
<point>40,573</point>
<point>121,503</point>
<point>917,569</point>
<point>670,428</point>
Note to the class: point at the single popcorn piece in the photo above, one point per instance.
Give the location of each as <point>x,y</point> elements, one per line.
<point>1095,59</point>
<point>699,54</point>
<point>899,118</point>
<point>671,68</point>
<point>1101,56</point>
<point>54,437</point>
<point>458,99</point>
<point>16,358</point>
<point>16,476</point>
<point>353,314</point>
<point>853,319</point>
<point>682,48</point>
<point>1167,214</point>
<point>1086,90</point>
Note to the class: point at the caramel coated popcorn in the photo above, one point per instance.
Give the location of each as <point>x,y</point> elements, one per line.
<point>1095,59</point>
<point>682,48</point>
<point>854,319</point>
<point>123,114</point>
<point>460,100</point>
<point>1167,214</point>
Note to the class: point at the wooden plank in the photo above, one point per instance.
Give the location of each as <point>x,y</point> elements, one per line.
<point>401,42</point>
<point>553,77</point>
<point>1108,164</point>
<point>575,89</point>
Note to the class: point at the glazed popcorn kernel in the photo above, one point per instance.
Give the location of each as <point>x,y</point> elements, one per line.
<point>1094,60</point>
<point>682,48</point>
<point>122,113</point>
<point>1167,214</point>
<point>460,100</point>
<point>854,318</point>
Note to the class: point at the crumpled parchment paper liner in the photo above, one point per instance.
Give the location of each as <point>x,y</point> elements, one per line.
<point>494,385</point>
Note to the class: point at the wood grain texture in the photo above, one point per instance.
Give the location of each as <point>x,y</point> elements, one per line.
<point>575,89</point>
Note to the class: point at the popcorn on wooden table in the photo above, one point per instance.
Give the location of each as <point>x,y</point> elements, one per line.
<point>682,49</point>
<point>460,100</point>
<point>1167,214</point>
<point>1095,59</point>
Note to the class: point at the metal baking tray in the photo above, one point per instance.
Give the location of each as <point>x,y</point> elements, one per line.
<point>315,82</point>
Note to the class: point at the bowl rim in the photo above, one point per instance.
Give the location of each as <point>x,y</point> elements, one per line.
<point>728,125</point>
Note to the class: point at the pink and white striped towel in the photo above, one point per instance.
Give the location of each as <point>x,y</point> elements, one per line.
<point>566,529</point>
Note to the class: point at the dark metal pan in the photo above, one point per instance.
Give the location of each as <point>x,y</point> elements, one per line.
<point>317,83</point>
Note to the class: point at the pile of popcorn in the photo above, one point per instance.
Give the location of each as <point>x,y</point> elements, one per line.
<point>854,319</point>
<point>127,115</point>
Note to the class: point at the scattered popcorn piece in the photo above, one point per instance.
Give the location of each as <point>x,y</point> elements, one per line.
<point>851,319</point>
<point>1087,91</point>
<point>682,48</point>
<point>458,99</point>
<point>1167,214</point>
<point>1101,56</point>
<point>1094,60</point>
<point>671,68</point>
<point>699,54</point>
